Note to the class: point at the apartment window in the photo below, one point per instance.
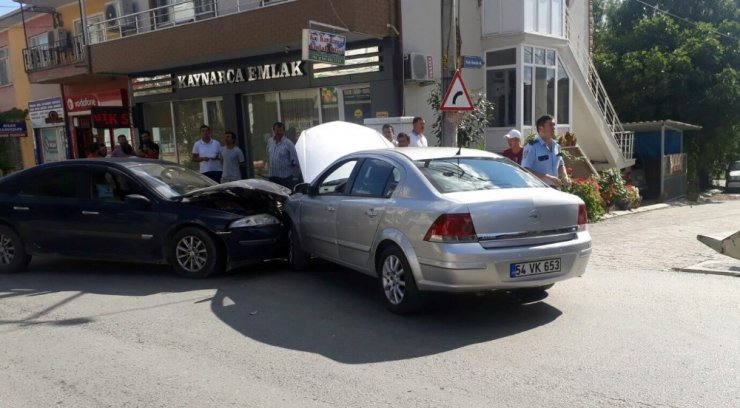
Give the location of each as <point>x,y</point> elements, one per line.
<point>4,66</point>
<point>544,16</point>
<point>546,86</point>
<point>501,86</point>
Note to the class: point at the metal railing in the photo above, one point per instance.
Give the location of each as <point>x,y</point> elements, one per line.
<point>66,51</point>
<point>623,138</point>
<point>177,13</point>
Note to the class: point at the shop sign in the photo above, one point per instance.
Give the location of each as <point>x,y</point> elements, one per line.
<point>13,129</point>
<point>111,117</point>
<point>324,47</point>
<point>46,113</point>
<point>81,103</point>
<point>237,75</point>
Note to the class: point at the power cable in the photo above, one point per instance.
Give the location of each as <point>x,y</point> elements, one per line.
<point>686,20</point>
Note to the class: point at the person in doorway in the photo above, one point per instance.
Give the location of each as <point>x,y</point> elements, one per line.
<point>102,150</point>
<point>122,144</point>
<point>92,151</point>
<point>388,133</point>
<point>542,155</point>
<point>417,134</point>
<point>147,148</point>
<point>403,140</point>
<point>282,157</point>
<point>207,152</point>
<point>514,152</point>
<point>232,159</point>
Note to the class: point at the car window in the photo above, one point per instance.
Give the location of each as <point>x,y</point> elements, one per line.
<point>451,175</point>
<point>170,180</point>
<point>373,178</point>
<point>335,182</point>
<point>108,186</point>
<point>734,166</point>
<point>60,184</point>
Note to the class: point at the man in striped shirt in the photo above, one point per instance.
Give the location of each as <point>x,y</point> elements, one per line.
<point>282,157</point>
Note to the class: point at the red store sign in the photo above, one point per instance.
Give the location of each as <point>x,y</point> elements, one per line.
<point>111,117</point>
<point>81,103</point>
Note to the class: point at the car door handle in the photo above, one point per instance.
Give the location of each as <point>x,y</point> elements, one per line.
<point>85,212</point>
<point>330,208</point>
<point>15,207</point>
<point>371,212</point>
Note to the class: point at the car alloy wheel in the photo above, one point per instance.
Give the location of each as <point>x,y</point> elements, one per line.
<point>13,256</point>
<point>394,284</point>
<point>191,253</point>
<point>7,250</point>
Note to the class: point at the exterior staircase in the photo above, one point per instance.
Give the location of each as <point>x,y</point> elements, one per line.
<point>620,143</point>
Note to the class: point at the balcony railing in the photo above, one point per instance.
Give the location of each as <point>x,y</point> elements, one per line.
<point>55,54</point>
<point>177,13</point>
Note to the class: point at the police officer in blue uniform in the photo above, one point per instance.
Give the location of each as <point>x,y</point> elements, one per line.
<point>542,155</point>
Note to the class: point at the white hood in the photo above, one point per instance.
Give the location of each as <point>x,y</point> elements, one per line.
<point>321,145</point>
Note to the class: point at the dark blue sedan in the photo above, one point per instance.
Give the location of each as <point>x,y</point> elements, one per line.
<point>139,210</point>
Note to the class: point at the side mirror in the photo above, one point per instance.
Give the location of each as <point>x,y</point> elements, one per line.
<point>302,188</point>
<point>138,201</point>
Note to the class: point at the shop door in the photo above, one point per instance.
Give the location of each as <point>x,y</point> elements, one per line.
<point>356,104</point>
<point>53,144</point>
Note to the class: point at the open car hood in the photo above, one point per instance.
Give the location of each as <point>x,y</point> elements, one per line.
<point>241,188</point>
<point>321,145</point>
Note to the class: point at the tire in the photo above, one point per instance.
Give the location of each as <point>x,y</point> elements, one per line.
<point>298,259</point>
<point>397,284</point>
<point>194,254</point>
<point>13,256</point>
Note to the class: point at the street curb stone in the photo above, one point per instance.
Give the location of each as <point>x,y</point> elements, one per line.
<point>724,268</point>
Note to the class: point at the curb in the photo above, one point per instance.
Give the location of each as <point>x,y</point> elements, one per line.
<point>706,271</point>
<point>636,210</point>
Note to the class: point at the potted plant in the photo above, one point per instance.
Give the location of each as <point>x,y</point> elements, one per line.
<point>588,191</point>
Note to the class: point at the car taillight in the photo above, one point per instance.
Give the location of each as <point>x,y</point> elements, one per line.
<point>582,217</point>
<point>452,228</point>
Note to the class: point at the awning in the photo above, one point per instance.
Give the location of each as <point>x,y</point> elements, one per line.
<point>656,125</point>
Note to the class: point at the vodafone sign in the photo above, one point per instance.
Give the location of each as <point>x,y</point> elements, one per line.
<point>81,103</point>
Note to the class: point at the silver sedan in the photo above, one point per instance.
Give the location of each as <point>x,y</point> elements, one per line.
<point>438,219</point>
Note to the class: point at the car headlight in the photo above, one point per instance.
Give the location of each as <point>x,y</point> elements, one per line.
<point>255,221</point>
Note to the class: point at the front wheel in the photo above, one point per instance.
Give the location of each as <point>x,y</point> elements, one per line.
<point>194,254</point>
<point>13,257</point>
<point>397,284</point>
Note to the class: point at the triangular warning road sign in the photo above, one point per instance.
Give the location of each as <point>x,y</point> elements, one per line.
<point>457,98</point>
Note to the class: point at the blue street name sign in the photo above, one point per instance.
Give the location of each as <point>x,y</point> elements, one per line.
<point>472,61</point>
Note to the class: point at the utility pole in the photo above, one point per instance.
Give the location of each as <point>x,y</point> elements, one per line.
<point>450,120</point>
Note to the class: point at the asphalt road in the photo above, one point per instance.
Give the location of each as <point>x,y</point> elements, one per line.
<point>629,333</point>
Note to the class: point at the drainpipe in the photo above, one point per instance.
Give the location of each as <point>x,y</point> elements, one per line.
<point>662,158</point>
<point>400,74</point>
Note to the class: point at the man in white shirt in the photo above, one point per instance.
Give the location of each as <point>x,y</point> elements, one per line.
<point>417,135</point>
<point>207,152</point>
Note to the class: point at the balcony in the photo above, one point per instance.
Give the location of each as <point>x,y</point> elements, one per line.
<point>48,63</point>
<point>190,32</point>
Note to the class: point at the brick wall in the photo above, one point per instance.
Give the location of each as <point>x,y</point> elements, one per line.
<point>239,35</point>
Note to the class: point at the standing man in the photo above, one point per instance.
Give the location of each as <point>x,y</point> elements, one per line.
<point>403,140</point>
<point>388,133</point>
<point>123,149</point>
<point>282,157</point>
<point>417,134</point>
<point>542,155</point>
<point>514,152</point>
<point>233,160</point>
<point>207,152</point>
<point>147,149</point>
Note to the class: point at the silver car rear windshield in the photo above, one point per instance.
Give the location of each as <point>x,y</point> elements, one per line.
<point>452,175</point>
<point>170,181</point>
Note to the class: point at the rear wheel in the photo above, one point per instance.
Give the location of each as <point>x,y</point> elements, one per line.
<point>298,259</point>
<point>397,284</point>
<point>13,257</point>
<point>194,254</point>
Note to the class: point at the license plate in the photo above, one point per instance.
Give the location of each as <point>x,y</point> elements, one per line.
<point>517,270</point>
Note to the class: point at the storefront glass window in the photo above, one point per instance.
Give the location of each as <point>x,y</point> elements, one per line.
<point>188,119</point>
<point>299,110</point>
<point>263,112</point>
<point>215,118</point>
<point>329,104</point>
<point>159,117</point>
<point>356,104</point>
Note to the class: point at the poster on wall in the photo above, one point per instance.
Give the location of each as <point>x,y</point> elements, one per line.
<point>324,47</point>
<point>46,113</point>
<point>13,129</point>
<point>52,144</point>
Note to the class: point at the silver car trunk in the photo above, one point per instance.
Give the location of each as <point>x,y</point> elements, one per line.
<point>514,217</point>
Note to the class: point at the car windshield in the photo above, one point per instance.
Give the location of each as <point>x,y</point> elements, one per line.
<point>451,175</point>
<point>735,166</point>
<point>170,180</point>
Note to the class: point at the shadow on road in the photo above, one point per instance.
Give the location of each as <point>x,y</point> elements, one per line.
<point>330,311</point>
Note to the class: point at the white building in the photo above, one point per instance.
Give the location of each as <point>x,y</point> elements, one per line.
<point>537,61</point>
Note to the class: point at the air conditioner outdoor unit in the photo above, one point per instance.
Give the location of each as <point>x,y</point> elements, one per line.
<point>58,37</point>
<point>115,10</point>
<point>418,67</point>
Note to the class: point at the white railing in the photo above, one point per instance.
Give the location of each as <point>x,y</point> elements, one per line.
<point>177,13</point>
<point>623,138</point>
